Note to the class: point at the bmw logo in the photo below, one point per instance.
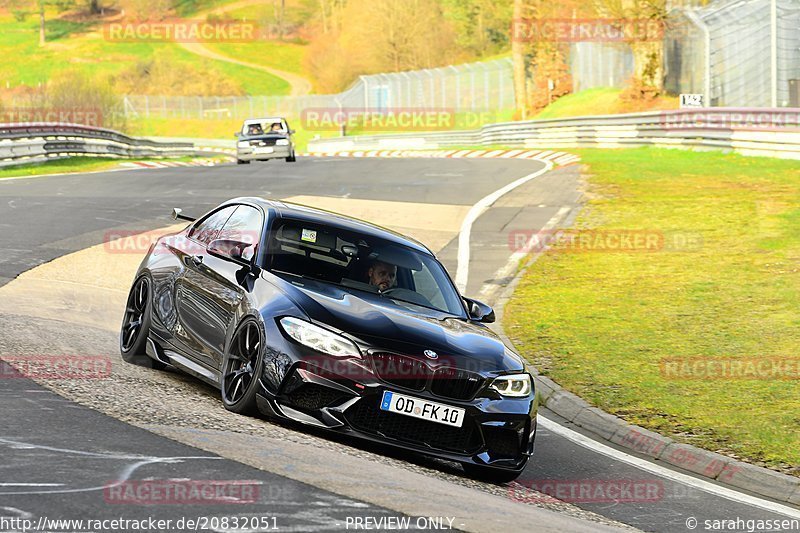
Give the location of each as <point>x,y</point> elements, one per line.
<point>430,354</point>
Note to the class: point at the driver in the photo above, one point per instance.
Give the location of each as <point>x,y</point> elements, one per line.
<point>255,129</point>
<point>382,275</point>
<point>276,127</point>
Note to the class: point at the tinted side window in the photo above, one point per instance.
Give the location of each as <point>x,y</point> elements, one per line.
<point>207,229</point>
<point>244,225</point>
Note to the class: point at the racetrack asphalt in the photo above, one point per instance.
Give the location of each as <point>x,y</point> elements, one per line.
<point>46,218</point>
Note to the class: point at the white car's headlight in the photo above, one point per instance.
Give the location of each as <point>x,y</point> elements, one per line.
<point>515,385</point>
<point>318,338</point>
<point>282,142</point>
<point>243,144</point>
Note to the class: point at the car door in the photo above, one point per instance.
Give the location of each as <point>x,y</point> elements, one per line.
<point>211,293</point>
<point>190,325</point>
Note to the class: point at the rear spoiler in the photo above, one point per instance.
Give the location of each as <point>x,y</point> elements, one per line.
<point>176,215</point>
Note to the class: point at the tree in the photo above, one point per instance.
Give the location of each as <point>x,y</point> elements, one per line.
<point>481,26</point>
<point>380,36</point>
<point>518,60</point>
<point>541,64</point>
<point>21,8</point>
<point>647,47</point>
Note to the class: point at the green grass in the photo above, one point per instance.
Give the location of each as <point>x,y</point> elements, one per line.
<point>91,53</point>
<point>600,101</point>
<point>597,101</point>
<point>275,54</point>
<point>72,165</point>
<point>600,324</point>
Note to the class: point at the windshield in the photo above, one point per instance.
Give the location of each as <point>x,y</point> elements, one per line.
<point>360,262</point>
<point>264,125</point>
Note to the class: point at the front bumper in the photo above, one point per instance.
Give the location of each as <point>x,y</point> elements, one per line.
<point>497,432</point>
<point>278,152</point>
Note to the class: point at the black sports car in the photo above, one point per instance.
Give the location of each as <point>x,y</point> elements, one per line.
<point>333,322</point>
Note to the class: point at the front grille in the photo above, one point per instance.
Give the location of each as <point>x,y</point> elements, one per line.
<point>456,384</point>
<point>502,442</point>
<point>401,370</point>
<point>366,416</point>
<point>263,142</point>
<point>313,396</point>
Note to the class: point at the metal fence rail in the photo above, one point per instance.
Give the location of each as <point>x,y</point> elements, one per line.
<point>473,86</point>
<point>747,131</point>
<point>736,52</point>
<point>39,142</point>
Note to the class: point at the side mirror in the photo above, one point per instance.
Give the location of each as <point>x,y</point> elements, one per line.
<point>291,132</point>
<point>479,311</point>
<point>241,253</point>
<point>237,134</point>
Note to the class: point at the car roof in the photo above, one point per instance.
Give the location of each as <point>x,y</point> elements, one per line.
<point>289,210</point>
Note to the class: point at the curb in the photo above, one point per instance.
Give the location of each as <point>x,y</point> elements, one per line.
<point>608,427</point>
<point>557,158</point>
<point>170,164</point>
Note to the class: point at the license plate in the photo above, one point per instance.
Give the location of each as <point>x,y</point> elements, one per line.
<point>263,150</point>
<point>424,409</point>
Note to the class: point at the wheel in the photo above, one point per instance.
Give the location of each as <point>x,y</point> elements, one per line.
<point>491,475</point>
<point>136,326</point>
<point>292,158</point>
<point>241,367</point>
<point>242,162</point>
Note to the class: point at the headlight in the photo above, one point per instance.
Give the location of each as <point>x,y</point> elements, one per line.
<point>282,142</point>
<point>318,338</point>
<point>243,144</point>
<point>515,385</point>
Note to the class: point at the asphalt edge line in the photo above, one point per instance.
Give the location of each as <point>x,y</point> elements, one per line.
<point>661,471</point>
<point>480,207</point>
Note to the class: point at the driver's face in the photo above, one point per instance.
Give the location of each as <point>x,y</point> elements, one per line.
<point>382,276</point>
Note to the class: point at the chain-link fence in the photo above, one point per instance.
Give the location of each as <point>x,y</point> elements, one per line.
<point>477,86</point>
<point>598,64</point>
<point>742,53</point>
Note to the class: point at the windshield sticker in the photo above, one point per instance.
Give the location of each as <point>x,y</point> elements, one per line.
<point>309,235</point>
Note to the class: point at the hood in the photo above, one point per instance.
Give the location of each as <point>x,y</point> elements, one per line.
<point>263,137</point>
<point>398,327</point>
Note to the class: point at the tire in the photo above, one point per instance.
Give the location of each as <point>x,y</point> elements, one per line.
<point>136,325</point>
<point>241,368</point>
<point>242,162</point>
<point>292,158</point>
<point>492,475</point>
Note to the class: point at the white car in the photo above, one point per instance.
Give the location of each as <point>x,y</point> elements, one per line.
<point>262,139</point>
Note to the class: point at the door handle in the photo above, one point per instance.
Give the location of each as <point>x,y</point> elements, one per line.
<point>196,260</point>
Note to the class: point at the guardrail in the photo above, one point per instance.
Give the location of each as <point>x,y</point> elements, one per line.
<point>752,131</point>
<point>26,143</point>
